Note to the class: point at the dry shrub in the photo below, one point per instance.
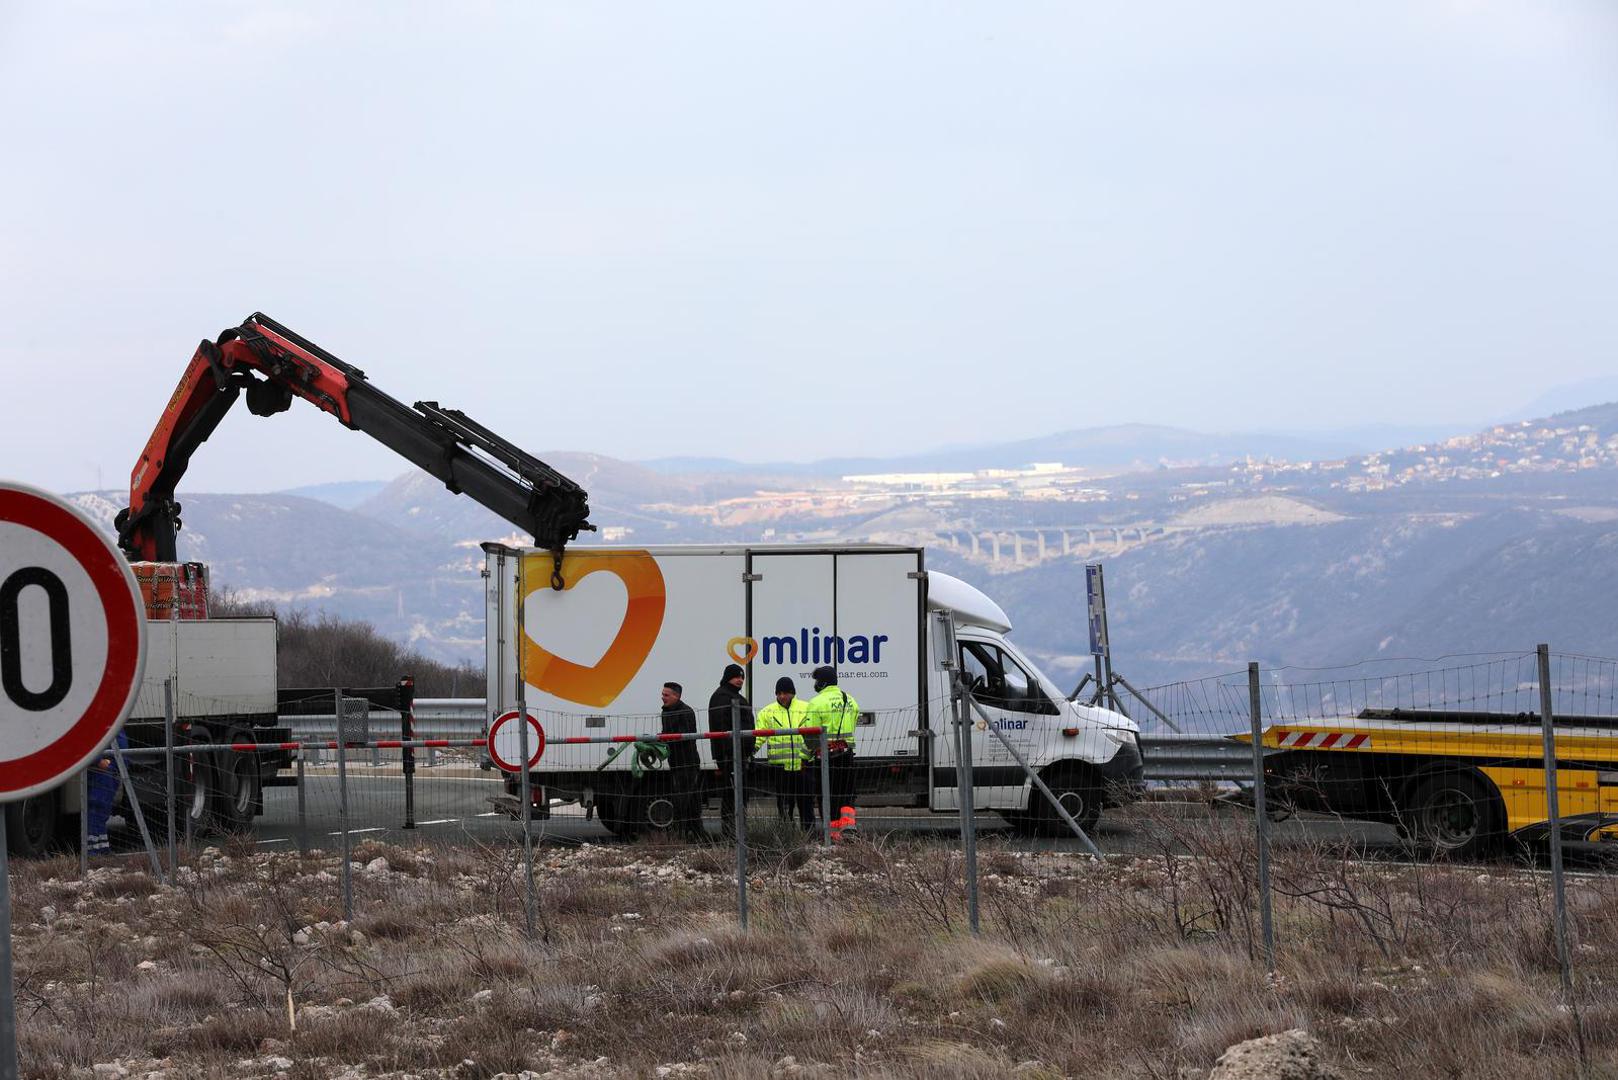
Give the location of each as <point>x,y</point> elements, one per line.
<point>393,924</point>
<point>236,1032</point>
<point>434,988</point>
<point>1186,973</point>
<point>1199,1038</point>
<point>183,996</point>
<point>600,900</point>
<point>1002,978</point>
<point>1520,1013</point>
<point>800,1025</point>
<point>352,1035</point>
<point>126,883</point>
<point>952,1060</point>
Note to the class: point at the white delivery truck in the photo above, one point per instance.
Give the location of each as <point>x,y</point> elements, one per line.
<point>591,657</point>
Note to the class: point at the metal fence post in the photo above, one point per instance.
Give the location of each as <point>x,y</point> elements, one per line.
<point>168,769</point>
<point>303,812</point>
<point>84,818</point>
<point>1265,914</point>
<point>134,807</point>
<point>739,811</point>
<point>342,806</point>
<point>1553,811</point>
<point>964,784</point>
<point>825,788</point>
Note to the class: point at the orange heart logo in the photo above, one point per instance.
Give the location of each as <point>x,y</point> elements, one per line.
<point>741,649</point>
<point>601,684</point>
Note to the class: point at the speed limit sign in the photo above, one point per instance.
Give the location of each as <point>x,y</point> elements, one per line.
<point>72,641</point>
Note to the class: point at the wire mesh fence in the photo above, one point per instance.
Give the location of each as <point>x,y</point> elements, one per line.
<point>1374,785</point>
<point>1394,829</point>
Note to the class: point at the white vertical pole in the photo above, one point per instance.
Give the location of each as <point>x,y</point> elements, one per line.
<point>525,781</point>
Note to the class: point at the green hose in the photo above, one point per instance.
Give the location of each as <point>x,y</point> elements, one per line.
<point>649,754</point>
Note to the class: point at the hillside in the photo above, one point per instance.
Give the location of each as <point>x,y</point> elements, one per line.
<point>1496,540</point>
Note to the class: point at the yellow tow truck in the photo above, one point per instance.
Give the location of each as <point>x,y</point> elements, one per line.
<point>1457,783</point>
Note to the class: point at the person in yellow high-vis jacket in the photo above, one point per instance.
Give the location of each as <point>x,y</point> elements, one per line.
<point>786,753</point>
<point>836,712</point>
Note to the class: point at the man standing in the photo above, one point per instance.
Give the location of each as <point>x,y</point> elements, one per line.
<point>786,753</point>
<point>729,693</point>
<point>836,713</point>
<point>684,768</point>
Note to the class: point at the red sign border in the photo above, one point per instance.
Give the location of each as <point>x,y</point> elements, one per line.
<point>125,616</point>
<point>499,762</point>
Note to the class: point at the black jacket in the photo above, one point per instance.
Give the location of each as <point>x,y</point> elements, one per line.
<point>719,720</point>
<point>680,717</point>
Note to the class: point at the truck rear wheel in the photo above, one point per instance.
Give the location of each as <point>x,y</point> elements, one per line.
<point>617,814</point>
<point>237,797</point>
<point>32,825</point>
<point>1454,814</point>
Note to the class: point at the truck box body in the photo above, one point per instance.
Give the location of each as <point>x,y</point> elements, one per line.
<point>597,653</point>
<point>592,657</point>
<point>219,667</point>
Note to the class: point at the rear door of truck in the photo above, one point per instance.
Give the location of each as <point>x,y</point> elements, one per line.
<point>859,610</point>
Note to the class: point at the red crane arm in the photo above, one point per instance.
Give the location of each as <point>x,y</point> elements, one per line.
<point>273,365</point>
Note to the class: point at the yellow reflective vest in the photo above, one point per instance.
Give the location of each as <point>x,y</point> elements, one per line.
<point>786,751</point>
<point>835,710</point>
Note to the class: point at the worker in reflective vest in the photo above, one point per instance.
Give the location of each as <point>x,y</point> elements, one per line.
<point>786,753</point>
<point>836,712</point>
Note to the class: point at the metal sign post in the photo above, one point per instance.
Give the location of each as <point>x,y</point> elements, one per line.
<point>1095,607</point>
<point>72,654</point>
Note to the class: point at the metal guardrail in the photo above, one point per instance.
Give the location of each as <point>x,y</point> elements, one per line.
<point>447,718</point>
<point>1168,756</point>
<point>1196,757</point>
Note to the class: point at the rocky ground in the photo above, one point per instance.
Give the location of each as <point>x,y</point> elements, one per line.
<point>857,962</point>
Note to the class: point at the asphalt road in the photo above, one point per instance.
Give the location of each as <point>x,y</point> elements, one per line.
<point>454,805</point>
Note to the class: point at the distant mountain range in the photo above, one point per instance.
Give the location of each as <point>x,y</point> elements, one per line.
<point>1118,447</point>
<point>1500,562</point>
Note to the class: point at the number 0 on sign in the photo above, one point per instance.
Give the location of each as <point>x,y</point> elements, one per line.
<point>505,742</point>
<point>72,641</point>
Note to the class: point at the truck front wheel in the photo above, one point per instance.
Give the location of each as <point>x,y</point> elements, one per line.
<point>1455,814</point>
<point>1077,793</point>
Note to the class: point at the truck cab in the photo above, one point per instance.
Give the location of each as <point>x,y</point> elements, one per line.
<point>1088,756</point>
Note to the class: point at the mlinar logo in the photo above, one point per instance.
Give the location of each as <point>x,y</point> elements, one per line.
<point>808,646</point>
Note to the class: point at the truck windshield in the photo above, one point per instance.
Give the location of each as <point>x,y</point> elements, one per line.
<point>998,681</point>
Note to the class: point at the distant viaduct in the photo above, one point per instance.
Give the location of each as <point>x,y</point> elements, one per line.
<point>1033,545</point>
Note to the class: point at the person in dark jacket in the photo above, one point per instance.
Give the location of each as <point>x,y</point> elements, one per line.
<point>684,767</point>
<point>730,693</point>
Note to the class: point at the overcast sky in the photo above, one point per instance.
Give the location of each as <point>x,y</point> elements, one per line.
<point>784,231</point>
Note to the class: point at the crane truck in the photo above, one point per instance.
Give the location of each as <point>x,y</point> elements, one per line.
<point>224,670</point>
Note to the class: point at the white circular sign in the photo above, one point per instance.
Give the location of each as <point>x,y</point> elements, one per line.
<point>505,742</point>
<point>72,641</point>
